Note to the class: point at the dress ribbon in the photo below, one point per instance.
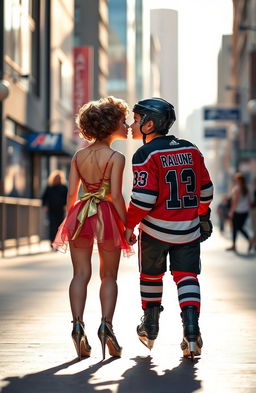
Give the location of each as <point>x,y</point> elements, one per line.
<point>90,207</point>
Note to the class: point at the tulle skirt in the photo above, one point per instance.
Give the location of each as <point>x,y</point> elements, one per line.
<point>105,227</point>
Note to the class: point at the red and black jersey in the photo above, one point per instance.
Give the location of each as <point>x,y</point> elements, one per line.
<point>171,188</point>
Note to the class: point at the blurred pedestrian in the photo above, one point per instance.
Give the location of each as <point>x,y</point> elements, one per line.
<point>239,210</point>
<point>172,191</point>
<point>99,214</point>
<point>222,211</point>
<point>54,201</point>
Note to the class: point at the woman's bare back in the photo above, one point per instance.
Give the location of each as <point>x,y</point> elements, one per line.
<point>92,162</point>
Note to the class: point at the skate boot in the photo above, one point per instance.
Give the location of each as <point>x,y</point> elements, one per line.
<point>192,341</point>
<point>149,327</point>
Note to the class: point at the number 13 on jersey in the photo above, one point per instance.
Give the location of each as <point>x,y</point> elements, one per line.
<point>188,199</point>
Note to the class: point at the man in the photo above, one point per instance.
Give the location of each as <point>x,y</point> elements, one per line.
<point>171,194</point>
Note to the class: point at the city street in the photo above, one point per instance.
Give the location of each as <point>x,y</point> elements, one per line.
<point>37,354</point>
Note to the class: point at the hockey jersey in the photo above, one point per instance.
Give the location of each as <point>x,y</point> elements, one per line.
<point>171,188</point>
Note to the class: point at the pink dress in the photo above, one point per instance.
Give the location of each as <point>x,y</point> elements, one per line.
<point>91,218</point>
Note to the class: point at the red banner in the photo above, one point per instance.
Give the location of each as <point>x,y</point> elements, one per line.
<point>83,78</point>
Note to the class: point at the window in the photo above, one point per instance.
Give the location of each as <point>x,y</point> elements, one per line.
<point>18,170</point>
<point>64,80</point>
<point>35,54</point>
<point>117,46</point>
<point>22,40</point>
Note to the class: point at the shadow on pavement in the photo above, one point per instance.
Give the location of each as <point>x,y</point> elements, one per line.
<point>143,378</point>
<point>47,382</point>
<point>245,255</point>
<point>138,379</point>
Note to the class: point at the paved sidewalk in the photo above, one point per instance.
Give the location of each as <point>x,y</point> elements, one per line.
<point>37,354</point>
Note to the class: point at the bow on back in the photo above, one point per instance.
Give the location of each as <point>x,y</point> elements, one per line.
<point>90,207</point>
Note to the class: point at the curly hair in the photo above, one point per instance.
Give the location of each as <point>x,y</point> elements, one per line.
<point>99,119</point>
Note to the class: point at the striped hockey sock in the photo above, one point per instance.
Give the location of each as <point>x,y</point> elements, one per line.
<point>188,289</point>
<point>151,289</point>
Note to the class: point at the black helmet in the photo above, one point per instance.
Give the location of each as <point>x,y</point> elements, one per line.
<point>160,111</point>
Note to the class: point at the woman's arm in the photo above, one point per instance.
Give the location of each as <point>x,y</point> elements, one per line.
<point>116,185</point>
<point>73,185</point>
<point>234,202</point>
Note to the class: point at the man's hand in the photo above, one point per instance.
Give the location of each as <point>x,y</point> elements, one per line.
<point>205,226</point>
<point>130,237</point>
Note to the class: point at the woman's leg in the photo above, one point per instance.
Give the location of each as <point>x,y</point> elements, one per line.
<point>244,232</point>
<point>241,218</point>
<point>81,260</point>
<point>235,229</point>
<point>253,217</point>
<point>109,263</point>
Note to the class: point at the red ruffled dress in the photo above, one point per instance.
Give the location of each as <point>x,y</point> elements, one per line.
<point>91,218</point>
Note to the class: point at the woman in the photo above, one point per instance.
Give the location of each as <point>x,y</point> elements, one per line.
<point>54,201</point>
<point>239,210</point>
<point>100,213</point>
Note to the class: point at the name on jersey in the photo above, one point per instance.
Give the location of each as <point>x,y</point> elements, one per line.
<point>176,159</point>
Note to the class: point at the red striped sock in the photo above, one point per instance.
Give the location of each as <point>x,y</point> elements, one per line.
<point>188,289</point>
<point>151,289</point>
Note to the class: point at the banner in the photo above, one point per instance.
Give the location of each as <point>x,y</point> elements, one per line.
<point>42,141</point>
<point>83,79</point>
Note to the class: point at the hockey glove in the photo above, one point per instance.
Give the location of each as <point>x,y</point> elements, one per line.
<point>205,226</point>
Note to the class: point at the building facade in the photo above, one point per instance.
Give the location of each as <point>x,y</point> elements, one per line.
<point>91,30</point>
<point>243,80</point>
<point>225,161</point>
<point>126,51</point>
<point>164,31</point>
<point>36,121</point>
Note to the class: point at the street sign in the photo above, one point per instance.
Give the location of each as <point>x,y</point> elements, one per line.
<point>215,113</point>
<point>247,153</point>
<point>215,132</point>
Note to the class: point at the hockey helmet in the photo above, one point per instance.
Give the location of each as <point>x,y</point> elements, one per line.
<point>160,111</point>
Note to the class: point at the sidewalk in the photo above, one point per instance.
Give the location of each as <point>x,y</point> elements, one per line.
<point>37,354</point>
<point>29,250</point>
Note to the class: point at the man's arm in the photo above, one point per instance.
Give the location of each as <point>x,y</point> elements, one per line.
<point>145,189</point>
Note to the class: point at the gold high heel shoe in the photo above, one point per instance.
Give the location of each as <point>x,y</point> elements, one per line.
<point>82,346</point>
<point>107,336</point>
